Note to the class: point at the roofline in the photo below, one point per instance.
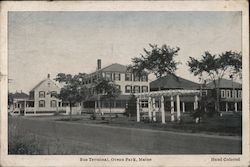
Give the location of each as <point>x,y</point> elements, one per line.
<point>105,68</point>
<point>198,84</point>
<point>42,82</point>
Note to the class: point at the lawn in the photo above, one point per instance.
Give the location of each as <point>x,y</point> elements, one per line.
<point>225,125</point>
<point>52,135</point>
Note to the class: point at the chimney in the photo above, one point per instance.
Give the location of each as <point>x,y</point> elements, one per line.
<point>48,75</point>
<point>99,64</point>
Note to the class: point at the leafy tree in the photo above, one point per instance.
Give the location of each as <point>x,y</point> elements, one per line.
<point>108,89</point>
<point>215,67</point>
<point>159,61</point>
<point>73,90</point>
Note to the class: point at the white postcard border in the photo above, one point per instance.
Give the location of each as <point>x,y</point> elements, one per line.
<point>157,160</point>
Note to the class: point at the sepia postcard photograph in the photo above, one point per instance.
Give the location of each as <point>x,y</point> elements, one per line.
<point>105,83</point>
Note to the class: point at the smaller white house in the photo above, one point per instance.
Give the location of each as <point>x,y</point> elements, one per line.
<point>15,102</point>
<point>42,101</point>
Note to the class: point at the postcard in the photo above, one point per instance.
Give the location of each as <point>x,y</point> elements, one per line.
<point>124,83</point>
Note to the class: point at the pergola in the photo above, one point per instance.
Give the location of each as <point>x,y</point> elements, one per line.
<point>151,96</point>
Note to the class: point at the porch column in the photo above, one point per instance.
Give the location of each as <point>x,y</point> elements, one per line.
<point>162,111</point>
<point>195,102</point>
<point>226,106</point>
<point>235,107</point>
<point>95,106</point>
<point>153,106</point>
<point>24,106</point>
<point>183,106</point>
<point>149,108</point>
<point>178,104</point>
<point>172,108</point>
<point>138,109</point>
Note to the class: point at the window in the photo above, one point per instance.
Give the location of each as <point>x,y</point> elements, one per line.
<point>136,78</point>
<point>228,93</point>
<point>103,75</point>
<point>53,103</point>
<point>120,104</point>
<point>128,89</point>
<point>108,76</point>
<point>41,103</point>
<point>136,89</point>
<point>144,103</point>
<point>239,93</point>
<point>144,78</point>
<point>65,104</point>
<point>204,93</point>
<point>53,94</point>
<point>144,88</point>
<point>107,104</point>
<point>222,93</point>
<point>118,87</point>
<point>42,94</point>
<point>128,77</point>
<point>234,93</point>
<point>117,76</point>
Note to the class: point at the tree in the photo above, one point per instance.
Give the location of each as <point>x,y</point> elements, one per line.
<point>73,90</point>
<point>108,88</point>
<point>159,61</point>
<point>215,67</point>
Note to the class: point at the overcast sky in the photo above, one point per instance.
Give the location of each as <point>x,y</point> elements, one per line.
<point>71,42</point>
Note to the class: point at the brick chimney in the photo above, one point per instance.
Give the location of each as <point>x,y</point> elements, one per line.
<point>99,64</point>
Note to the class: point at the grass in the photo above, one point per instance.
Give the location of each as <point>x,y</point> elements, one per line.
<point>225,126</point>
<point>22,143</point>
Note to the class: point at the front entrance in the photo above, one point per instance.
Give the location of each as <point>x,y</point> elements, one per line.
<point>22,112</point>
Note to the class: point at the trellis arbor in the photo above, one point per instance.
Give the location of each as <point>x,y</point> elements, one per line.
<point>151,98</point>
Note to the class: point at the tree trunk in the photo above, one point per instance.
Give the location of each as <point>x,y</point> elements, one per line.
<point>217,87</point>
<point>110,109</point>
<point>99,104</point>
<point>218,95</point>
<point>70,111</point>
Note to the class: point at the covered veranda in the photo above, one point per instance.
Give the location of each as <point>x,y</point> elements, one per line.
<point>151,97</point>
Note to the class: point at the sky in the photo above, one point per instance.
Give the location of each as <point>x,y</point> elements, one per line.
<point>71,42</point>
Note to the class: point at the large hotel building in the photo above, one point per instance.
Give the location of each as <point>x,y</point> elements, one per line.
<point>127,82</point>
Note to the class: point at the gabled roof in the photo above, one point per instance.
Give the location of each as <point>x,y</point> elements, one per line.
<point>224,83</point>
<point>37,85</point>
<point>115,67</point>
<point>173,82</point>
<point>18,95</point>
